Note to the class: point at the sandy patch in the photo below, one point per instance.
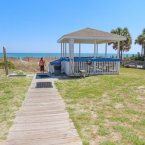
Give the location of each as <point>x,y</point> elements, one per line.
<point>3,143</point>
<point>141,89</point>
<point>119,106</point>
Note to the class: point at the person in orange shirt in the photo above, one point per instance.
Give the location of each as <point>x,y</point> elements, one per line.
<point>42,64</point>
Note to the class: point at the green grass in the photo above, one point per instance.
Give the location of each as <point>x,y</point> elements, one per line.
<point>102,131</point>
<point>12,93</point>
<point>108,143</point>
<point>108,109</point>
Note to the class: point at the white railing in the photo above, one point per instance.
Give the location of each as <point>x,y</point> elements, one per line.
<point>97,67</point>
<point>90,65</point>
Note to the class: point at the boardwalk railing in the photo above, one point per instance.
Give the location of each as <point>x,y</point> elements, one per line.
<point>133,63</point>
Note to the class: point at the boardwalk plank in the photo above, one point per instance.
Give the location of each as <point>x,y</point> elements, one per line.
<point>53,141</point>
<point>43,120</point>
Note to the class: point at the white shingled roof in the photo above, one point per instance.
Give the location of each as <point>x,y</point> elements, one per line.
<point>90,36</point>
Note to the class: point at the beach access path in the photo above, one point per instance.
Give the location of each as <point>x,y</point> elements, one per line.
<point>43,119</point>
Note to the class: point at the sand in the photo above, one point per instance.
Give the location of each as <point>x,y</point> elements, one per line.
<point>28,65</point>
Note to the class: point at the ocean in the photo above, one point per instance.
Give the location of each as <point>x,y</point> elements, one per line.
<point>38,55</point>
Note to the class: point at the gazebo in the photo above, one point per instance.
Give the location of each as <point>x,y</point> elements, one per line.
<point>72,65</point>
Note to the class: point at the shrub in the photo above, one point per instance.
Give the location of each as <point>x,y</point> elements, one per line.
<point>141,58</point>
<point>10,65</point>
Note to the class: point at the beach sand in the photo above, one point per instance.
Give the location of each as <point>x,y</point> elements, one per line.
<point>28,64</point>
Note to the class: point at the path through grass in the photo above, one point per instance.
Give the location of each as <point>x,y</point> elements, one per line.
<point>107,109</point>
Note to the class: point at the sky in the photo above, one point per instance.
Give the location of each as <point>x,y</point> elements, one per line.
<point>36,25</point>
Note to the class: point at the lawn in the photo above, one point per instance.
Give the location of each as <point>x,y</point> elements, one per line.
<point>12,93</point>
<point>107,109</point>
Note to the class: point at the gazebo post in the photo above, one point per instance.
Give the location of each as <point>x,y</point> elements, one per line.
<point>118,66</point>
<point>105,50</point>
<point>71,56</point>
<point>66,48</point>
<point>118,49</point>
<point>61,49</point>
<point>79,50</point>
<point>95,56</point>
<point>97,51</point>
<point>65,51</point>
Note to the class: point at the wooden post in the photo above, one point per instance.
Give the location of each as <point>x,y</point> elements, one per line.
<point>5,60</point>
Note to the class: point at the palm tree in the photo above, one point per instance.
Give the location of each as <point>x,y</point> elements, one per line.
<point>124,45</point>
<point>141,41</point>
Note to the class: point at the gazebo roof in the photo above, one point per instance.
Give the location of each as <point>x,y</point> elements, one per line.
<point>90,36</point>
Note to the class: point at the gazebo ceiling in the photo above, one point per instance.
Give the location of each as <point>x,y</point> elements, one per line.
<point>90,36</point>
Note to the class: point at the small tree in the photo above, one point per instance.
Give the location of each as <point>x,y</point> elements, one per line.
<point>124,45</point>
<point>141,41</point>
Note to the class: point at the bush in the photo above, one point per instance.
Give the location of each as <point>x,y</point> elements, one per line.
<point>10,65</point>
<point>140,58</point>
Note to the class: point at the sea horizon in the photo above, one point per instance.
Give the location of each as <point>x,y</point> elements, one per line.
<point>38,55</point>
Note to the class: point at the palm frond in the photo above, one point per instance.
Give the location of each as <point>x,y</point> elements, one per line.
<point>124,45</point>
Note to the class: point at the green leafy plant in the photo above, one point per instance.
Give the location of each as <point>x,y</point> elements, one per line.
<point>10,65</point>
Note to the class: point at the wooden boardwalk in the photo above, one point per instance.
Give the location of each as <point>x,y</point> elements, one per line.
<point>43,119</point>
